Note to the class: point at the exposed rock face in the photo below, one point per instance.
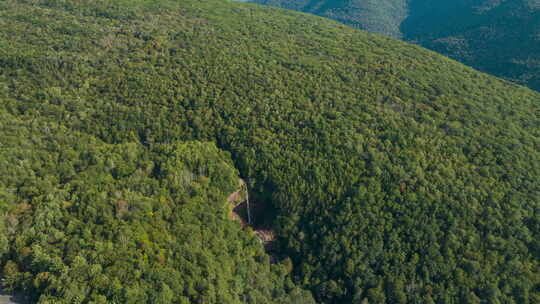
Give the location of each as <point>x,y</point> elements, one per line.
<point>238,202</point>
<point>10,298</point>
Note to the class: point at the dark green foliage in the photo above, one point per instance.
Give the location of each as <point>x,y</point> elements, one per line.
<point>498,37</point>
<point>494,36</point>
<point>394,174</point>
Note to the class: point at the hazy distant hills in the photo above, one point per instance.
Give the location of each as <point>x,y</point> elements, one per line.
<point>501,37</point>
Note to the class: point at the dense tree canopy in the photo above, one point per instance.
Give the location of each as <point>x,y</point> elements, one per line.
<point>383,17</point>
<point>393,174</point>
<point>501,37</point>
<point>90,222</point>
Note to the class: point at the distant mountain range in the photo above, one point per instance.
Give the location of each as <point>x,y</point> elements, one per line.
<point>501,37</point>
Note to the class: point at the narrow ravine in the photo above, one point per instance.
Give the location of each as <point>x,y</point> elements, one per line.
<point>248,213</point>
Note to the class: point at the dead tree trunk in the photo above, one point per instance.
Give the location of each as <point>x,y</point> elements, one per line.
<point>247,204</point>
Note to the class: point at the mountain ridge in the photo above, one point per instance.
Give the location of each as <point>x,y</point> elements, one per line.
<point>497,37</point>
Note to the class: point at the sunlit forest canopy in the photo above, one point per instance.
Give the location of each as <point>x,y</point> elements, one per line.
<point>391,174</point>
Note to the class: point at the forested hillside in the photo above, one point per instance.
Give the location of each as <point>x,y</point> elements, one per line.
<point>498,37</point>
<point>382,17</point>
<point>89,222</point>
<point>392,174</point>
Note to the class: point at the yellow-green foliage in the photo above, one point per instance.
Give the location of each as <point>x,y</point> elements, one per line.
<point>89,222</point>
<point>389,172</point>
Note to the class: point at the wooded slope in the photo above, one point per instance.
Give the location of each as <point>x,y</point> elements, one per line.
<point>497,37</point>
<point>393,174</point>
